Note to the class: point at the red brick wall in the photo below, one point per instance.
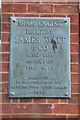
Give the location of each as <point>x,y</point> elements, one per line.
<point>41,108</point>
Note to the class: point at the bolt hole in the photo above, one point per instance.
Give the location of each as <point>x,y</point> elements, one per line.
<point>66,94</point>
<point>65,21</point>
<point>14,21</point>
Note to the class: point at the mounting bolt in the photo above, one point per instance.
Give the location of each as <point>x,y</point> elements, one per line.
<point>65,21</point>
<point>14,20</point>
<point>12,93</point>
<point>66,94</point>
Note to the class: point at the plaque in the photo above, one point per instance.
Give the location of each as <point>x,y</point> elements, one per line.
<point>39,57</point>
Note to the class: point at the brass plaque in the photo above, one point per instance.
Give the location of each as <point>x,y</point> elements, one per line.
<point>39,57</point>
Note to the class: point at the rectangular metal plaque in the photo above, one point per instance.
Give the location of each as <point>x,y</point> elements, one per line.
<point>39,57</point>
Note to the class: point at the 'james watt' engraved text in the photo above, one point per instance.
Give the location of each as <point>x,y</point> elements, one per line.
<point>24,39</point>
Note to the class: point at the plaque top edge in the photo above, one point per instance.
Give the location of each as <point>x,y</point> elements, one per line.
<point>68,18</point>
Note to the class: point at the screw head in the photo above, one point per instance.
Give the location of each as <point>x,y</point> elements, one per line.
<point>14,20</point>
<point>66,94</point>
<point>12,93</point>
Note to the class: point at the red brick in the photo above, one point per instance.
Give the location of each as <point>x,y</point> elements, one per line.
<point>5,116</point>
<point>79,76</point>
<point>5,98</point>
<point>0,67</point>
<point>39,100</point>
<point>26,15</point>
<point>13,108</point>
<point>4,87</point>
<point>0,77</point>
<point>29,108</point>
<point>40,8</point>
<point>55,117</point>
<point>63,100</point>
<point>74,48</point>
<point>54,1</point>
<point>51,15</point>
<point>75,78</point>
<point>14,100</point>
<point>74,38</point>
<point>0,56</point>
<point>5,27</point>
<point>74,18</point>
<point>0,99</point>
<point>5,67</point>
<point>66,9</point>
<point>74,28</point>
<point>6,17</point>
<point>0,117</point>
<point>39,108</point>
<point>15,8</point>
<point>74,99</point>
<point>72,2</point>
<point>26,100</point>
<point>5,47</point>
<point>0,109</point>
<point>51,100</point>
<point>5,77</point>
<point>66,109</point>
<point>72,117</point>
<point>74,58</point>
<point>74,88</point>
<point>75,68</point>
<point>5,57</point>
<point>5,37</point>
<point>79,108</point>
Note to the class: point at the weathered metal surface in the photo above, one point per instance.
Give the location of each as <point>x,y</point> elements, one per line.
<point>39,57</point>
